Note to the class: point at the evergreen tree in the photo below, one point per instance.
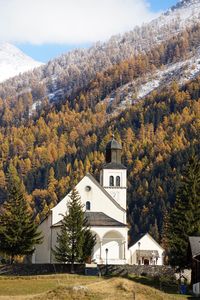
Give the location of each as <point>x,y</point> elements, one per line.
<point>184,218</point>
<point>89,242</point>
<point>164,236</point>
<point>153,231</point>
<point>75,240</point>
<point>18,232</point>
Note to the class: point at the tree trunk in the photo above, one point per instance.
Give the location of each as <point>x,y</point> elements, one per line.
<point>12,259</point>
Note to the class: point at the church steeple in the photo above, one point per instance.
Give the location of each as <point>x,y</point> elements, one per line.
<point>113,175</point>
<point>113,152</point>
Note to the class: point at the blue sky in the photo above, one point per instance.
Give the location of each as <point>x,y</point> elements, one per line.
<point>161,4</point>
<point>44,29</point>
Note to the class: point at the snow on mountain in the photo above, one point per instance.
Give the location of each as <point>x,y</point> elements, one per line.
<point>186,12</point>
<point>13,61</point>
<point>132,92</point>
<point>62,77</point>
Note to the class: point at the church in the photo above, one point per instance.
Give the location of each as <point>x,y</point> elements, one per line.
<point>105,208</point>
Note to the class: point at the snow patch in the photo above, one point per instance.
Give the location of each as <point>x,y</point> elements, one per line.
<point>13,62</point>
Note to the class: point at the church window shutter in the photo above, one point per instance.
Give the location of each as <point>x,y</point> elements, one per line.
<point>118,181</point>
<point>88,206</point>
<point>111,181</point>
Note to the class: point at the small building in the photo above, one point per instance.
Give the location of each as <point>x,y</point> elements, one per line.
<point>146,251</point>
<point>194,257</point>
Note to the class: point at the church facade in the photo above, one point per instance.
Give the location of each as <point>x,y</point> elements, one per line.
<point>105,206</point>
<point>105,209</point>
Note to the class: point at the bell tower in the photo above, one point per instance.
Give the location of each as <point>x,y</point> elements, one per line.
<point>113,176</point>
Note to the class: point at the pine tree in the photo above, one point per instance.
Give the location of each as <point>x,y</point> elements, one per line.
<point>153,231</point>
<point>184,218</point>
<point>89,242</point>
<point>164,235</point>
<point>74,235</point>
<point>18,232</point>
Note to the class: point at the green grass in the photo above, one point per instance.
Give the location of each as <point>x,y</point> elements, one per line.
<point>165,284</point>
<point>61,287</point>
<point>15,286</point>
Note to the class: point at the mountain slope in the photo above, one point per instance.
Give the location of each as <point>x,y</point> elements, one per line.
<point>54,147</point>
<point>65,76</point>
<point>13,61</point>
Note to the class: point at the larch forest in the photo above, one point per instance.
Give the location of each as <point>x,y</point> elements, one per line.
<point>54,145</point>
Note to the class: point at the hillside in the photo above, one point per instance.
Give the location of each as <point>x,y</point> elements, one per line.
<point>158,134</point>
<point>13,62</point>
<point>147,93</point>
<point>65,76</point>
<point>77,287</point>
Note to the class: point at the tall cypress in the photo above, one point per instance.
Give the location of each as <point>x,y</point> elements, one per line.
<point>184,217</point>
<point>18,232</point>
<point>74,235</point>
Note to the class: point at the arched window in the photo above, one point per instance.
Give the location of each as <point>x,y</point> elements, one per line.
<point>88,205</point>
<point>118,181</point>
<point>111,181</point>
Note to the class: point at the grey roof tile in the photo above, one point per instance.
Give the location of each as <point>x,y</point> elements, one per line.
<point>101,219</point>
<point>113,165</point>
<point>98,219</point>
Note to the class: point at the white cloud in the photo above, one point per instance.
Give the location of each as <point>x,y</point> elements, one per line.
<point>69,21</point>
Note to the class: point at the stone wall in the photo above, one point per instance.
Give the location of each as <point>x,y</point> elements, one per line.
<point>39,269</point>
<point>116,270</point>
<point>123,270</point>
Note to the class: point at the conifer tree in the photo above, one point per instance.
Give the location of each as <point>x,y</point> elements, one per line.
<point>164,235</point>
<point>184,218</point>
<point>89,242</point>
<point>18,232</point>
<point>153,231</point>
<point>52,183</point>
<point>74,235</point>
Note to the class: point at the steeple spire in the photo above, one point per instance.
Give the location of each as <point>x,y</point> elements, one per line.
<point>113,151</point>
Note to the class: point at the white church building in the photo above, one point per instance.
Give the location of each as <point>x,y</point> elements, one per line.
<point>105,208</point>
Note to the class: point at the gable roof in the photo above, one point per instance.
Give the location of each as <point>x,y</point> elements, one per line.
<point>195,245</point>
<point>104,191</point>
<point>149,236</point>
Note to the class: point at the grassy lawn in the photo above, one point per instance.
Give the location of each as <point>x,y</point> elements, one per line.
<point>164,284</point>
<point>30,285</point>
<point>66,287</point>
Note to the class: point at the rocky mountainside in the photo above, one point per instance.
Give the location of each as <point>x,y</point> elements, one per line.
<point>13,62</point>
<point>65,76</point>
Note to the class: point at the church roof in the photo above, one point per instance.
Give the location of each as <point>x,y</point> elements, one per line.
<point>195,245</point>
<point>113,165</point>
<point>141,235</point>
<point>104,191</point>
<point>101,219</point>
<point>147,253</point>
<point>98,219</point>
<point>113,144</point>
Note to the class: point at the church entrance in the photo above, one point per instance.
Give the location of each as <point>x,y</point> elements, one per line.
<point>109,249</point>
<point>113,248</point>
